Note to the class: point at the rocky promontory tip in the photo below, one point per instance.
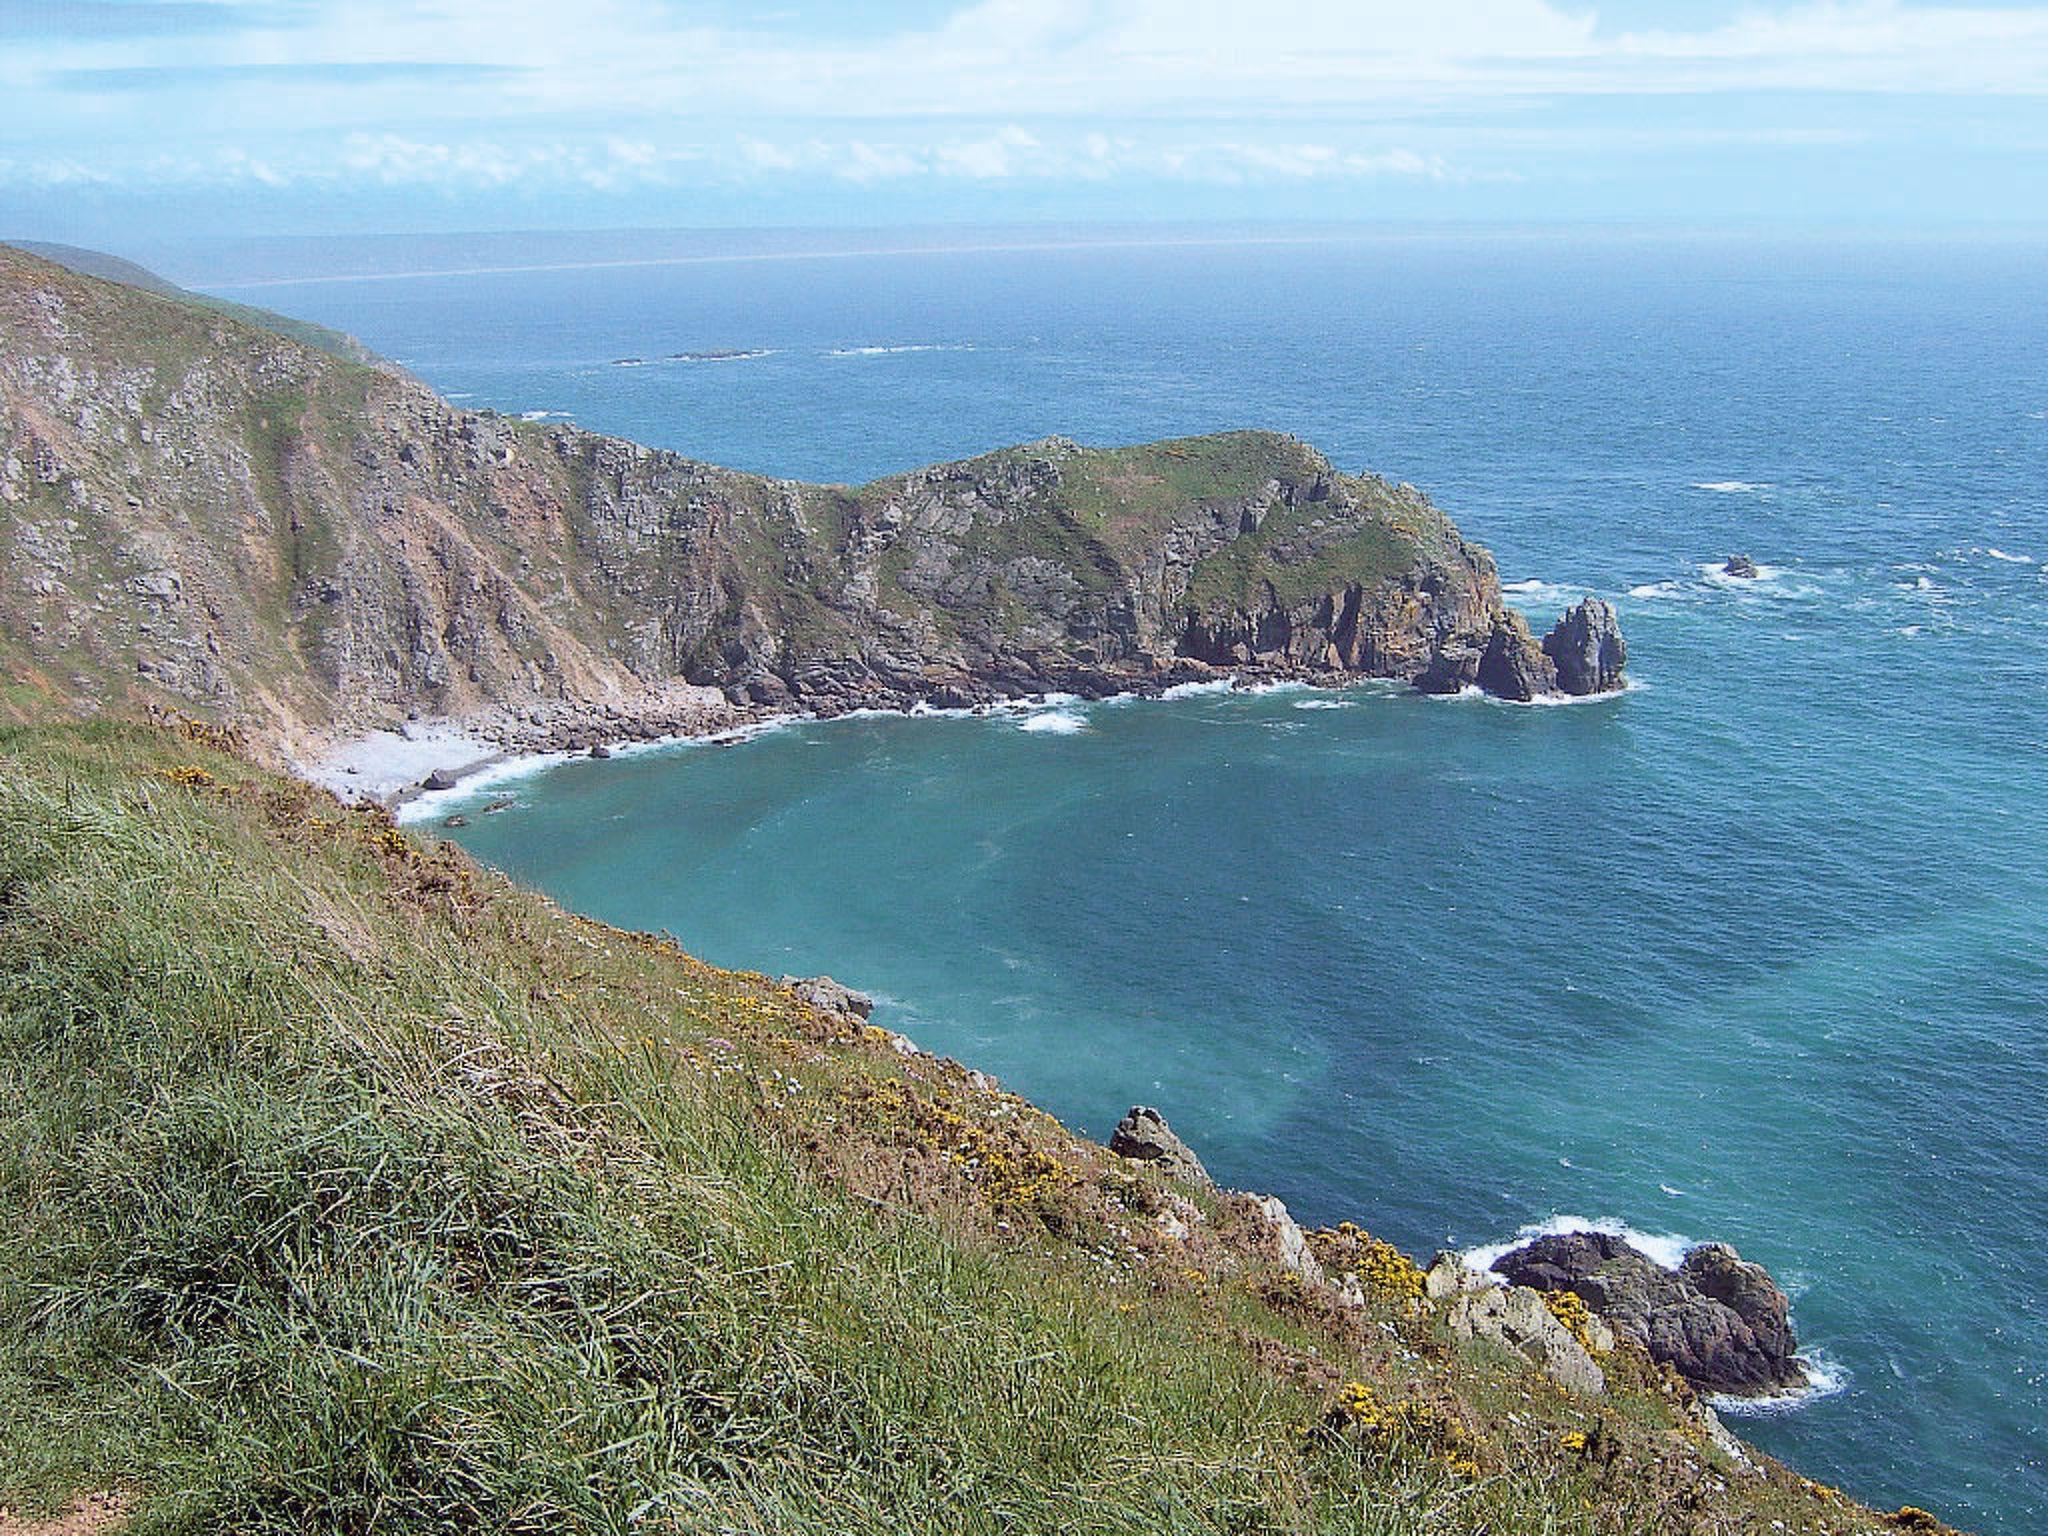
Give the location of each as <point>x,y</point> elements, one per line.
<point>1720,1322</point>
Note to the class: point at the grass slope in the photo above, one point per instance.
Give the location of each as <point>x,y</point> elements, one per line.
<point>344,1187</point>
<point>116,269</point>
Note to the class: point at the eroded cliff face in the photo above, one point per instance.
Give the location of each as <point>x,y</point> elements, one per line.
<point>200,512</point>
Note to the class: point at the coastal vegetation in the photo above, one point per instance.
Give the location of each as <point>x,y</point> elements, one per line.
<point>344,1186</point>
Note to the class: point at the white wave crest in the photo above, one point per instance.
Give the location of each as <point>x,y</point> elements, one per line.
<point>1053,722</point>
<point>1324,703</point>
<point>1732,487</point>
<point>1824,1378</point>
<point>1666,1248</point>
<point>1539,593</point>
<point>1198,690</point>
<point>925,346</point>
<point>1651,591</point>
<point>1999,554</point>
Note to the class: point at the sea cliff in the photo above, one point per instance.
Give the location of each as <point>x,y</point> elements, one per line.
<point>202,512</point>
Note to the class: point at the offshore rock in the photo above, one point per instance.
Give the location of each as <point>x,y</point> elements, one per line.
<point>1513,665</point>
<point>1587,649</point>
<point>1742,566</point>
<point>1143,1136</point>
<point>1720,1322</point>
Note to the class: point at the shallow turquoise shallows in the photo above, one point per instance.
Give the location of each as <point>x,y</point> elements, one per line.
<point>1756,952</point>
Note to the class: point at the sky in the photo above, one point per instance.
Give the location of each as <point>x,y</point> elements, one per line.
<point>189,117</point>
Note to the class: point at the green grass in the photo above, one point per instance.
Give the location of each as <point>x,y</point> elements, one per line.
<point>345,1188</point>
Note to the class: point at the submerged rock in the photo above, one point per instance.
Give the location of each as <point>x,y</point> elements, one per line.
<point>1742,566</point>
<point>1143,1136</point>
<point>1587,649</point>
<point>1720,1322</point>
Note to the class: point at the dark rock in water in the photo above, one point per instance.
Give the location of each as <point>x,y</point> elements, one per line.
<point>1720,1322</point>
<point>600,750</point>
<point>829,996</point>
<point>1143,1136</point>
<point>1513,666</point>
<point>1740,565</point>
<point>1453,667</point>
<point>1587,648</point>
<point>456,821</point>
<point>440,778</point>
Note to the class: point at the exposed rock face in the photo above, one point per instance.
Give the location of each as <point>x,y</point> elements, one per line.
<point>1289,1244</point>
<point>1513,665</point>
<point>1143,1136</point>
<point>829,996</point>
<point>200,512</point>
<point>1719,1322</point>
<point>1516,1318</point>
<point>1587,649</point>
<point>1742,566</point>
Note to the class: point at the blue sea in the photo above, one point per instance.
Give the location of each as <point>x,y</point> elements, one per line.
<point>1757,952</point>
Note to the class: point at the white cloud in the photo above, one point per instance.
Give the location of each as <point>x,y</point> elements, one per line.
<point>1001,91</point>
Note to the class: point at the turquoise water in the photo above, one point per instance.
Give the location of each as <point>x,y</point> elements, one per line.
<point>1753,953</point>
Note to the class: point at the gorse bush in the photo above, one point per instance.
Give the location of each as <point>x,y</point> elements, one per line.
<point>344,1188</point>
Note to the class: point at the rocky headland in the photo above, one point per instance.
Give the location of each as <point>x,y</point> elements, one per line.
<point>204,513</point>
<point>1720,1322</point>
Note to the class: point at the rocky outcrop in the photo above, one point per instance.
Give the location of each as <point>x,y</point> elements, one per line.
<point>1517,1319</point>
<point>1514,666</point>
<point>1720,1322</point>
<point>208,515</point>
<point>1742,567</point>
<point>1286,1242</point>
<point>1587,649</point>
<point>829,996</point>
<point>1143,1136</point>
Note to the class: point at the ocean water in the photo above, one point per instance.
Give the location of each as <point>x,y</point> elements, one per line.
<point>1757,952</point>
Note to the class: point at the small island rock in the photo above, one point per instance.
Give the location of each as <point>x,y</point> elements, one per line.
<point>1742,566</point>
<point>1587,648</point>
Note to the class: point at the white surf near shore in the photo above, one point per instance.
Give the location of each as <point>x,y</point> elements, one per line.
<point>387,763</point>
<point>1666,1248</point>
<point>1824,1378</point>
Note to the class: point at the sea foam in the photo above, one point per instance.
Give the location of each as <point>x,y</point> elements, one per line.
<point>1666,1248</point>
<point>1053,722</point>
<point>1824,1378</point>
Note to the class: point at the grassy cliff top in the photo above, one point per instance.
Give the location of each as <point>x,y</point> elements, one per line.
<point>345,1187</point>
<point>115,269</point>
